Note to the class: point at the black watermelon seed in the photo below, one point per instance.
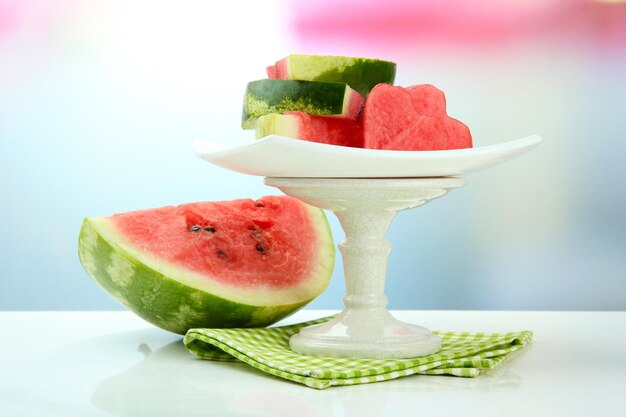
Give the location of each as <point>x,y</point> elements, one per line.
<point>260,205</point>
<point>194,228</point>
<point>210,229</point>
<point>260,248</point>
<point>222,254</point>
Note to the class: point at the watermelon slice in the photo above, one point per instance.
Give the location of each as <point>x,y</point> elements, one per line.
<point>411,119</point>
<point>238,263</point>
<point>313,97</point>
<point>323,129</point>
<point>362,74</point>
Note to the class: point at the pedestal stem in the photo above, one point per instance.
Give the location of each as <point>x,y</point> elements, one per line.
<point>365,251</point>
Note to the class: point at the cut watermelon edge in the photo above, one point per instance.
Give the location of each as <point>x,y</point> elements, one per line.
<point>308,288</point>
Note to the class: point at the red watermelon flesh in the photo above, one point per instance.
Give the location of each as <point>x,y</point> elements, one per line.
<point>459,135</point>
<point>412,119</point>
<point>338,131</point>
<point>428,99</point>
<point>271,72</point>
<point>431,131</point>
<point>279,70</point>
<point>238,243</point>
<point>388,112</point>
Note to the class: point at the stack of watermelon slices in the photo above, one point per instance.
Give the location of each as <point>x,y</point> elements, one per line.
<point>350,101</point>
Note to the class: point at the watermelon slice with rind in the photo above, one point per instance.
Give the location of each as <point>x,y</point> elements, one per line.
<point>362,74</point>
<point>338,131</point>
<point>313,97</point>
<point>239,263</point>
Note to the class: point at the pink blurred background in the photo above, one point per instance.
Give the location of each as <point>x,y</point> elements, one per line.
<point>100,101</point>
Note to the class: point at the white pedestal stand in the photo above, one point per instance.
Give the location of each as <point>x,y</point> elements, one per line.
<point>365,208</point>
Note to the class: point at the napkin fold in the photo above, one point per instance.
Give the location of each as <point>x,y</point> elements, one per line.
<point>267,349</point>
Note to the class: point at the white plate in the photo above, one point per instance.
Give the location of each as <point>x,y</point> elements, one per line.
<point>279,156</point>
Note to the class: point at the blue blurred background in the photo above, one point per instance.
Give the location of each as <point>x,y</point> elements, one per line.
<point>100,102</point>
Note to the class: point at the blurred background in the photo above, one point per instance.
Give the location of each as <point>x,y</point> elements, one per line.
<point>100,102</point>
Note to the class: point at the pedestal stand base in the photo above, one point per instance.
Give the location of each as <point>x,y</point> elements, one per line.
<point>366,334</point>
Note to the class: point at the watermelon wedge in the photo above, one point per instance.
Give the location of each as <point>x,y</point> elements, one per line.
<point>313,97</point>
<point>322,129</point>
<point>239,263</point>
<point>411,119</point>
<point>362,74</point>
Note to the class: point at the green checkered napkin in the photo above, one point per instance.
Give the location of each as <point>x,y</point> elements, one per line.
<point>267,349</point>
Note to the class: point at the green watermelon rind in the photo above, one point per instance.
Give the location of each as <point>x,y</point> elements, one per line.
<point>177,300</point>
<point>278,96</point>
<point>362,74</point>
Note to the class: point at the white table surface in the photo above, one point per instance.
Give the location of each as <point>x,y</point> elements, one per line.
<point>113,363</point>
